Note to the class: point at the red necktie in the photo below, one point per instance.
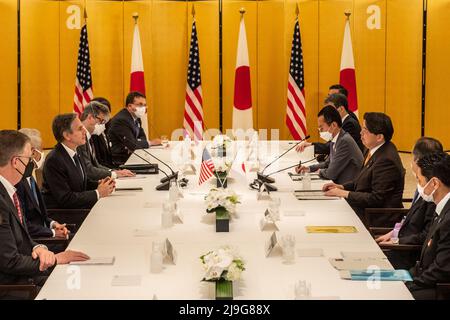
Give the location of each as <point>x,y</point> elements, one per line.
<point>17,205</point>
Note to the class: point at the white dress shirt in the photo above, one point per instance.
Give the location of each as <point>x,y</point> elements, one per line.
<point>440,206</point>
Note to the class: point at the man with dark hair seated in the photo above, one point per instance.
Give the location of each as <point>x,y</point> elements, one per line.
<point>381,180</point>
<point>413,229</point>
<point>345,158</point>
<point>433,267</point>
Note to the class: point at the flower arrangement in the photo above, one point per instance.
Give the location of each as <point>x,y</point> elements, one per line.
<point>221,140</point>
<point>221,199</point>
<point>222,264</point>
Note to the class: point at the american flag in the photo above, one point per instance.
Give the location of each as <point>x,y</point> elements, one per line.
<point>83,82</point>
<point>193,109</point>
<point>295,110</point>
<point>206,168</point>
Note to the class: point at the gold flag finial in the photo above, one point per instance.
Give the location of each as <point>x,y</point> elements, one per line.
<point>242,11</point>
<point>297,10</point>
<point>347,14</point>
<point>85,13</point>
<point>135,17</point>
<point>193,11</point>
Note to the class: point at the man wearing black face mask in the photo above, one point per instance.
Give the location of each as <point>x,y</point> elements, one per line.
<point>38,222</point>
<point>20,257</point>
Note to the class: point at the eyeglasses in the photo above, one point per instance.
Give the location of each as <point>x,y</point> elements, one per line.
<point>140,105</point>
<point>29,159</point>
<point>102,121</point>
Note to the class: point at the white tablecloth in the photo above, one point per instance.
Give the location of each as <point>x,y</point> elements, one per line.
<point>110,230</point>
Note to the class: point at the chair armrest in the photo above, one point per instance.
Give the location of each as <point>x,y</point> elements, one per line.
<point>30,288</point>
<point>443,291</point>
<point>401,247</point>
<point>375,231</point>
<point>407,200</point>
<point>69,216</point>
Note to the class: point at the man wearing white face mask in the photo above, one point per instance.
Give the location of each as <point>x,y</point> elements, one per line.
<point>345,159</point>
<point>433,267</point>
<point>126,133</point>
<point>94,117</point>
<point>38,223</point>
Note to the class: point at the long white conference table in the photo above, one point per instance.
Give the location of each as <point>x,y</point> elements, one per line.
<point>125,224</point>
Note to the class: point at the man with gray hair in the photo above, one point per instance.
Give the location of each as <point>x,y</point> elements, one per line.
<point>94,117</point>
<point>38,222</point>
<point>21,258</point>
<point>66,184</point>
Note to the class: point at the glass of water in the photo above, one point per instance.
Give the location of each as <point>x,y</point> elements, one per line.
<point>288,245</point>
<point>165,141</point>
<point>274,207</point>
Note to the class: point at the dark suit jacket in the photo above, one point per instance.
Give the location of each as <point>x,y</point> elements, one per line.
<point>95,171</point>
<point>351,126</point>
<point>434,264</point>
<point>63,186</point>
<point>16,246</point>
<point>123,138</point>
<point>380,183</point>
<point>414,231</point>
<point>417,223</point>
<point>346,162</point>
<point>103,150</point>
<point>38,222</point>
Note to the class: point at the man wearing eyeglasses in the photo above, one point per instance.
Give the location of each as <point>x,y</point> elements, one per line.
<point>94,118</point>
<point>126,133</point>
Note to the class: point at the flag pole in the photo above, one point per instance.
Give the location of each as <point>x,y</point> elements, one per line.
<point>85,16</point>
<point>297,10</point>
<point>242,12</point>
<point>347,14</point>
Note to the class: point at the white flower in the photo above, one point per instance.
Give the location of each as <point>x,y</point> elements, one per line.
<point>220,260</point>
<point>234,273</point>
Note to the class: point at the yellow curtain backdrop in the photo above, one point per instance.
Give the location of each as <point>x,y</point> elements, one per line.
<point>387,58</point>
<point>8,64</point>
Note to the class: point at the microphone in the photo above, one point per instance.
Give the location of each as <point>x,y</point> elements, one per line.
<point>162,186</point>
<point>267,184</point>
<point>266,178</point>
<point>174,175</point>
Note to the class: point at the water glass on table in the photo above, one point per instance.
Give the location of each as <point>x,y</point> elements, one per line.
<point>164,141</point>
<point>274,208</point>
<point>302,289</point>
<point>288,245</point>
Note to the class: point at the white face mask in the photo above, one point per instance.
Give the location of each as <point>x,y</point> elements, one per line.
<point>140,112</point>
<point>99,128</point>
<point>40,163</point>
<point>325,135</point>
<point>425,197</point>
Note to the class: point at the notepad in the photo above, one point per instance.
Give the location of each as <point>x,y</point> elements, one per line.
<point>130,189</point>
<point>373,275</point>
<point>126,281</point>
<point>360,263</point>
<point>96,261</point>
<point>331,229</point>
<point>312,195</point>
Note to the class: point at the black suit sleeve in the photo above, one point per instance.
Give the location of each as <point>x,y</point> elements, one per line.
<point>11,261</point>
<point>37,231</point>
<point>321,148</point>
<point>385,176</point>
<point>439,270</point>
<point>123,132</point>
<point>419,238</point>
<point>57,181</point>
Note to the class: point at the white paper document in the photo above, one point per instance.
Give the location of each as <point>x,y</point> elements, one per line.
<point>96,261</point>
<point>126,281</point>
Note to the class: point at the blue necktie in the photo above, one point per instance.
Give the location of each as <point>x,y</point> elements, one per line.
<point>136,128</point>
<point>33,189</point>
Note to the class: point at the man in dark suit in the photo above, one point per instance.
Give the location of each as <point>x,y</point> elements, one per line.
<point>101,143</point>
<point>381,180</point>
<point>414,227</point>
<point>21,258</point>
<point>433,267</point>
<point>94,117</point>
<point>345,159</point>
<point>38,222</point>
<point>66,184</point>
<point>126,133</point>
<point>350,125</point>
